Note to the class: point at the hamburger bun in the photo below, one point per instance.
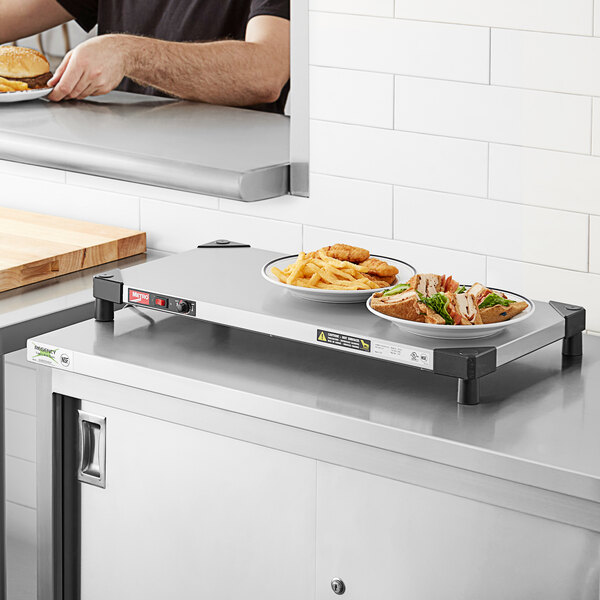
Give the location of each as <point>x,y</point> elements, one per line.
<point>26,65</point>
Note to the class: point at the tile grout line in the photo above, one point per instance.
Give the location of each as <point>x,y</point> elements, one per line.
<point>490,58</point>
<point>452,23</point>
<point>457,81</point>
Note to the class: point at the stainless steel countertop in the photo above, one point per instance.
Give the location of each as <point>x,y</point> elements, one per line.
<point>195,147</point>
<point>539,424</point>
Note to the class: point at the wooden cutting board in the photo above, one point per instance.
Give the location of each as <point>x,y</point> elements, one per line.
<point>35,247</point>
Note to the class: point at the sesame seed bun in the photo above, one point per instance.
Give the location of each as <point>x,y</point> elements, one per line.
<point>22,63</point>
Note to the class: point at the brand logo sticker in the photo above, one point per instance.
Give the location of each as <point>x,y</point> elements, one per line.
<point>139,297</point>
<point>50,356</point>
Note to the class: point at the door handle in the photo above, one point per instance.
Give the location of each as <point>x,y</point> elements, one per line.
<point>92,449</point>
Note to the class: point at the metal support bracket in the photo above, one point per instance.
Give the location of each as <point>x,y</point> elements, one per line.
<point>574,326</point>
<point>468,365</point>
<point>108,291</point>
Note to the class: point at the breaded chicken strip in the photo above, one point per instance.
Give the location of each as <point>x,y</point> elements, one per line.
<point>379,267</point>
<point>382,281</point>
<point>352,254</point>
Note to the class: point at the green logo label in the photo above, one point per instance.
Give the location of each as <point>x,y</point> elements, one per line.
<point>45,352</point>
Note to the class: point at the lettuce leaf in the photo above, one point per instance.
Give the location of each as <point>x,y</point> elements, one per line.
<point>397,289</point>
<point>462,289</point>
<point>494,300</point>
<point>439,304</point>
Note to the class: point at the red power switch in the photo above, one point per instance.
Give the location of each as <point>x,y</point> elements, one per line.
<point>160,302</point>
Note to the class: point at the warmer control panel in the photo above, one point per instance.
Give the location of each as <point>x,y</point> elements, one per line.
<point>162,302</point>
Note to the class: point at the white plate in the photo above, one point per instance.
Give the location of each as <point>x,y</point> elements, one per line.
<point>405,272</point>
<point>465,332</point>
<point>24,96</point>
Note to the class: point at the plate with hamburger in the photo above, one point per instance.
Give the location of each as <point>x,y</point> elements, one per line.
<point>437,306</point>
<point>24,74</point>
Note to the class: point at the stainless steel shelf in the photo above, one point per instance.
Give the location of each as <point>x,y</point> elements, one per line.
<point>213,150</point>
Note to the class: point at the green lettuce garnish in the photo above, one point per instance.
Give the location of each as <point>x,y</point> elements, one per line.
<point>494,300</point>
<point>462,289</point>
<point>439,304</point>
<point>397,289</point>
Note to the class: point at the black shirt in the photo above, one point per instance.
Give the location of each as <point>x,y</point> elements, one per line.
<point>177,21</point>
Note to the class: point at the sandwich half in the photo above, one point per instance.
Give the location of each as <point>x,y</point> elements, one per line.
<point>494,307</point>
<point>407,306</point>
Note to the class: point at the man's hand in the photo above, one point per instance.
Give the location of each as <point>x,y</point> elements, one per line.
<point>94,68</point>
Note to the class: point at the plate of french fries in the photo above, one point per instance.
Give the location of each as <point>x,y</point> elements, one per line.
<point>334,275</point>
<point>18,91</point>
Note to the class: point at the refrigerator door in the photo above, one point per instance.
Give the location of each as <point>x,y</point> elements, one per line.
<point>190,514</point>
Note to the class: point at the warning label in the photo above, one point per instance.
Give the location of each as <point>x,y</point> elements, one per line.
<point>386,350</point>
<point>343,340</point>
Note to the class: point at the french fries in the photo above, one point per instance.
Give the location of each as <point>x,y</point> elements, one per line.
<point>317,270</point>
<point>9,85</point>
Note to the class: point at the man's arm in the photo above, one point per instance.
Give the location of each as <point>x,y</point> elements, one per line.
<point>22,18</point>
<point>234,73</point>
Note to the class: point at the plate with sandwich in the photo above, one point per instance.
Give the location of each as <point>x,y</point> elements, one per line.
<point>340,273</point>
<point>437,306</point>
<point>24,74</point>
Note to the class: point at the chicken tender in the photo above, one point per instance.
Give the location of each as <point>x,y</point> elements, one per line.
<point>352,254</point>
<point>379,267</point>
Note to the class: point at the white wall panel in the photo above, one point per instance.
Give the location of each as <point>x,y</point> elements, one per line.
<point>596,126</point>
<point>335,202</point>
<point>378,8</point>
<point>87,204</point>
<point>463,265</point>
<point>31,171</point>
<point>542,61</point>
<point>543,178</point>
<point>352,97</point>
<point>20,481</point>
<point>539,283</point>
<point>19,357</point>
<point>177,228</point>
<point>527,233</point>
<point>20,524</point>
<point>407,159</point>
<point>20,389</point>
<point>143,191</point>
<point>560,16</point>
<point>492,113</point>
<point>20,435</point>
<point>595,244</point>
<point>403,47</point>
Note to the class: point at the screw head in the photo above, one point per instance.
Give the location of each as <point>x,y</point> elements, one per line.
<point>338,586</point>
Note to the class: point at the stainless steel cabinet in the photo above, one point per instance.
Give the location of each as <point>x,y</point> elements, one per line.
<point>190,514</point>
<point>389,540</point>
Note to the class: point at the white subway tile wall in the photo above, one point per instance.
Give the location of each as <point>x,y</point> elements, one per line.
<point>558,16</point>
<point>355,97</point>
<point>375,8</point>
<point>401,47</point>
<point>538,235</point>
<point>544,61</point>
<point>595,244</point>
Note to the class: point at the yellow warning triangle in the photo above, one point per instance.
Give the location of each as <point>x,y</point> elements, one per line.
<point>322,337</point>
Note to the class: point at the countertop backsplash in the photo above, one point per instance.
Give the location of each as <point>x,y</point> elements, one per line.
<point>463,137</point>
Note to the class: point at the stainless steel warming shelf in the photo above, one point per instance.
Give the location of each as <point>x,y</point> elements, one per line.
<point>221,282</point>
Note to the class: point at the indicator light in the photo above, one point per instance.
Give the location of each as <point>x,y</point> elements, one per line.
<point>160,302</point>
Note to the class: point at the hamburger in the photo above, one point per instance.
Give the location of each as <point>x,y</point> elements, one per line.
<point>24,65</point>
